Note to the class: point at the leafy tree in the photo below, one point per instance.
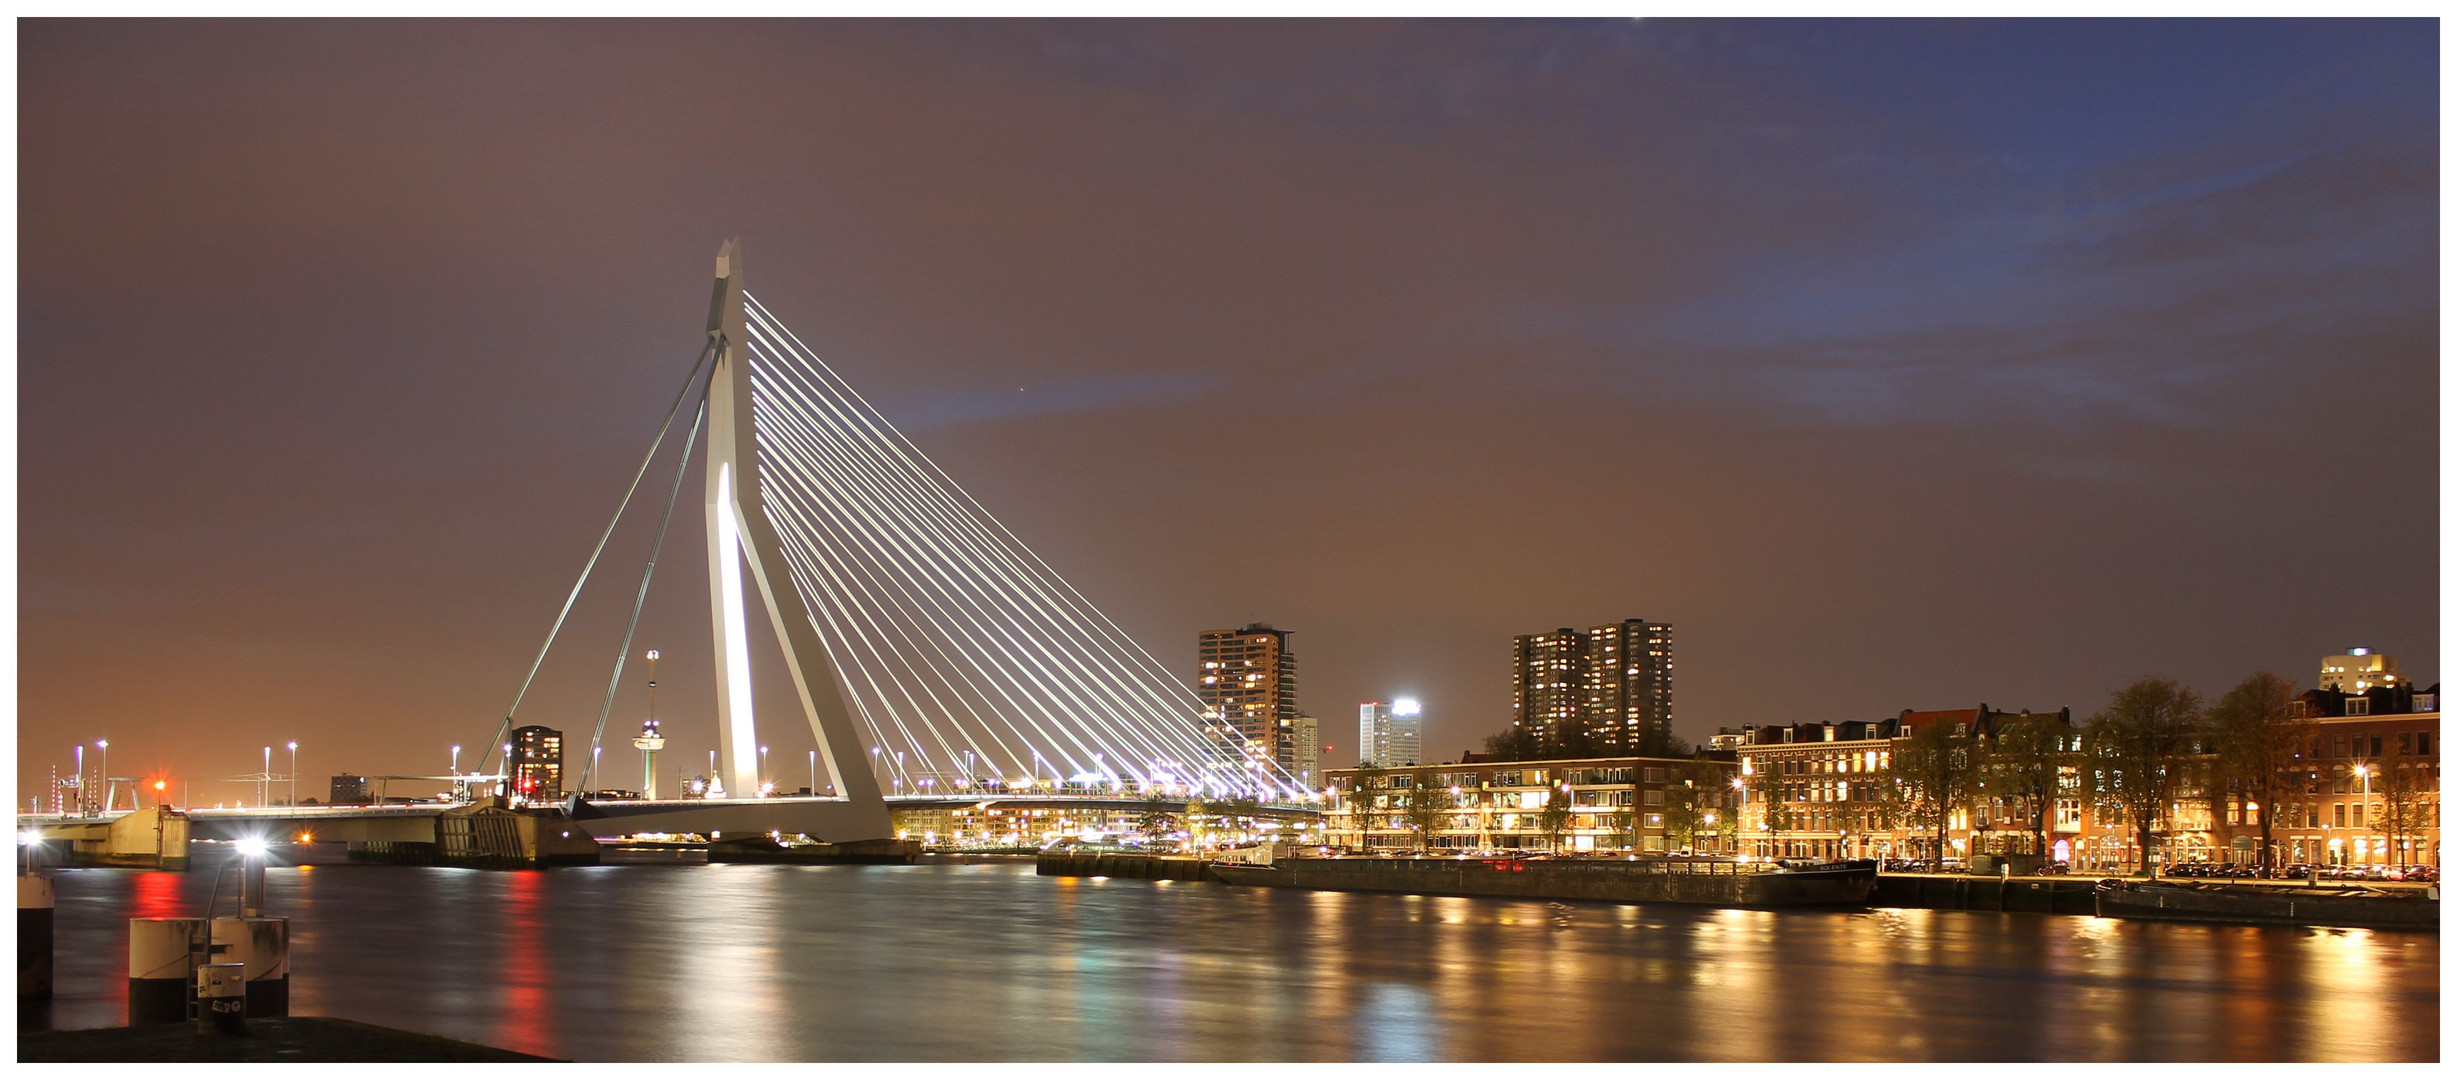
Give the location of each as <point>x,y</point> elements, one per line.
<point>1932,775</point>
<point>1555,818</point>
<point>1513,743</point>
<point>2136,747</point>
<point>1662,744</point>
<point>2026,761</point>
<point>2261,736</point>
<point>1427,803</point>
<point>1574,740</point>
<point>1156,822</point>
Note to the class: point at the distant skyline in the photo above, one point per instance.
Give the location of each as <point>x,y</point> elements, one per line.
<point>1894,364</point>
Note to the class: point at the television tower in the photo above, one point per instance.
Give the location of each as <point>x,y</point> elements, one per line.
<point>649,742</point>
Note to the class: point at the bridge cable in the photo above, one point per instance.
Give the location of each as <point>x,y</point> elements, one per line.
<point>899,526</point>
<point>505,728</point>
<point>1064,619</point>
<point>639,599</point>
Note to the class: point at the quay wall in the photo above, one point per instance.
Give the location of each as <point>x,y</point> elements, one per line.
<point>2045,896</point>
<point>1139,867</point>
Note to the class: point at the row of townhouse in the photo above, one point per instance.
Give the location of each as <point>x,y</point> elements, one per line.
<point>1634,804</point>
<point>2369,793</point>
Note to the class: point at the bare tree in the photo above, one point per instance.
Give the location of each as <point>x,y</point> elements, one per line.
<point>2136,748</point>
<point>1764,782</point>
<point>2261,737</point>
<point>2403,790</point>
<point>1364,794</point>
<point>2024,761</point>
<point>1555,819</point>
<point>1427,803</point>
<point>1690,802</point>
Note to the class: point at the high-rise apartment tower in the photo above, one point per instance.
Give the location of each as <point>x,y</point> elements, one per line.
<point>1248,685</point>
<point>1605,690</point>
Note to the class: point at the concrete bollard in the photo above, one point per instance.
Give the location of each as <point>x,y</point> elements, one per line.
<point>34,937</point>
<point>262,947</point>
<point>161,958</point>
<point>221,998</point>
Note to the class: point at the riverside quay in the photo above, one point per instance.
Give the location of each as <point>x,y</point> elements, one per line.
<point>2364,792</point>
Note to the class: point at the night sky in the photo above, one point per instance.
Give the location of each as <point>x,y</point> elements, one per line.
<point>1897,365</point>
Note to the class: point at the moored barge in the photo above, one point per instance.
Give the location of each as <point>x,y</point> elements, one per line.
<point>1673,880</point>
<point>2272,905</point>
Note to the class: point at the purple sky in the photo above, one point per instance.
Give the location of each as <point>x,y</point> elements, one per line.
<point>1895,364</point>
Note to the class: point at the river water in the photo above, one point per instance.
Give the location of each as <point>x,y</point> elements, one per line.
<point>986,961</point>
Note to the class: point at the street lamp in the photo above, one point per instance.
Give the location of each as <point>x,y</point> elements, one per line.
<point>814,773</point>
<point>2363,772</point>
<point>105,746</point>
<point>763,765</point>
<point>264,782</point>
<point>294,772</point>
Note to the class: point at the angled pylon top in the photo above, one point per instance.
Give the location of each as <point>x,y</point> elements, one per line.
<point>725,305</point>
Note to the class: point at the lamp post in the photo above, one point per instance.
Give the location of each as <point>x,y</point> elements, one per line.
<point>160,787</point>
<point>814,773</point>
<point>763,765</point>
<point>264,781</point>
<point>1741,813</point>
<point>104,745</point>
<point>81,792</point>
<point>294,772</point>
<point>2363,772</point>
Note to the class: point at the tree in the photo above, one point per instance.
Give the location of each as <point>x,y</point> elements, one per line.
<point>1662,743</point>
<point>1932,775</point>
<point>2136,747</point>
<point>1555,819</point>
<point>2261,737</point>
<point>1690,802</point>
<point>1513,743</point>
<point>1157,822</point>
<point>2403,787</point>
<point>1365,796</point>
<point>1763,782</point>
<point>1427,803</point>
<point>2026,762</point>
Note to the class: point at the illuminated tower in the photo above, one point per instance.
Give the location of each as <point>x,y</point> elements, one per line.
<point>1249,686</point>
<point>649,741</point>
<point>1390,734</point>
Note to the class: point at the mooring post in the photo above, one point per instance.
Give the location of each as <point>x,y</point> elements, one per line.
<point>34,935</point>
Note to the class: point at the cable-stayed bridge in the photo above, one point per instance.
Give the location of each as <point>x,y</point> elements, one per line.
<point>934,655</point>
<point>936,658</point>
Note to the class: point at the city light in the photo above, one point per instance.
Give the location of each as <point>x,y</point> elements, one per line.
<point>251,846</point>
<point>29,838</point>
<point>1406,706</point>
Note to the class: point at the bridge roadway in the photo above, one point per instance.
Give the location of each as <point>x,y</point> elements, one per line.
<point>418,823</point>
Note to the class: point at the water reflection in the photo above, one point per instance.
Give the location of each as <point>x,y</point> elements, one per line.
<point>989,962</point>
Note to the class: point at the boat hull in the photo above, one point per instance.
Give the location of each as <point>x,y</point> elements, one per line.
<point>1636,882</point>
<point>2269,906</point>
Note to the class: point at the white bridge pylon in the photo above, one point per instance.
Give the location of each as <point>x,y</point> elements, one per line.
<point>739,529</point>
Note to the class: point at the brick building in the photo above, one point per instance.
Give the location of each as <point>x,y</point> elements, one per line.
<point>1630,804</point>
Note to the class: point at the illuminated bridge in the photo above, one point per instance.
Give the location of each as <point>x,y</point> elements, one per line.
<point>934,655</point>
<point>939,662</point>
